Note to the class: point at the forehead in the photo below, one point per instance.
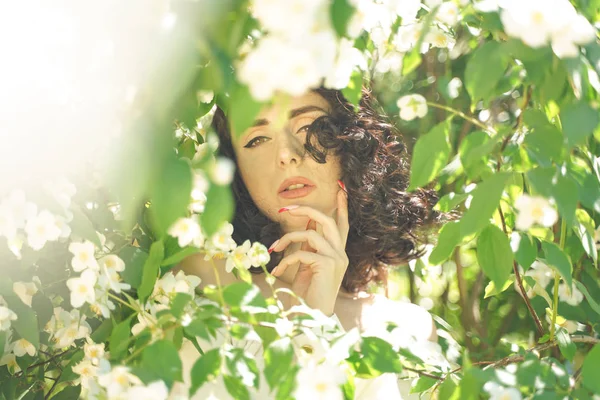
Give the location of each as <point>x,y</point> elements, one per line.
<point>280,109</point>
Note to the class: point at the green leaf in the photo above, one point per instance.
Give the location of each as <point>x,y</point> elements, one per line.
<point>422,383</point>
<point>448,239</point>
<point>68,374</point>
<point>595,306</point>
<point>378,357</point>
<point>171,193</point>
<point>83,227</point>
<point>524,249</point>
<point>484,69</point>
<point>492,290</point>
<point>341,12</point>
<point>411,60</point>
<point>206,368</point>
<point>2,341</point>
<point>68,393</point>
<point>446,389</point>
<point>545,142</point>
<point>26,323</point>
<point>541,180</point>
<point>430,155</point>
<point>119,338</point>
<point>179,256</point>
<point>353,92</point>
<point>236,388</point>
<point>565,193</point>
<point>178,303</point>
<point>590,193</point>
<point>162,360</point>
<point>449,201</point>
<point>218,209</point>
<point>243,109</point>
<point>43,308</point>
<point>240,294</point>
<point>486,198</point>
<point>278,353</point>
<point>578,122</point>
<point>494,254</point>
<point>558,260</point>
<point>134,259</point>
<point>585,230</point>
<point>590,373</point>
<point>566,346</point>
<point>150,272</point>
<point>471,142</point>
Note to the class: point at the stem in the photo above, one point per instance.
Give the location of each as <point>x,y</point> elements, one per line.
<point>461,114</point>
<point>121,301</point>
<point>519,280</point>
<point>563,234</point>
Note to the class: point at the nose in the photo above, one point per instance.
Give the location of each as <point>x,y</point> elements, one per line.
<point>290,150</point>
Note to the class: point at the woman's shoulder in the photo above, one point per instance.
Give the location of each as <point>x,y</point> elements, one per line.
<point>413,319</point>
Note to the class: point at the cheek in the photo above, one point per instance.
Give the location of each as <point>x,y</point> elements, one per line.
<point>258,183</point>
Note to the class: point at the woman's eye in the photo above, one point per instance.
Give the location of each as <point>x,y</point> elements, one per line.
<point>255,141</point>
<point>304,128</point>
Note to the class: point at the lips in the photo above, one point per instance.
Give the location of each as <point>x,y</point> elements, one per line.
<point>309,186</point>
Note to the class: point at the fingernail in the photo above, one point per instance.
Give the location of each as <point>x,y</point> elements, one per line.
<point>273,246</point>
<point>287,208</point>
<point>342,185</point>
<point>307,224</point>
<point>275,271</point>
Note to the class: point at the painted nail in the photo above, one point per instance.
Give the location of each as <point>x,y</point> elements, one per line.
<point>342,185</point>
<point>273,246</point>
<point>287,208</point>
<point>307,224</point>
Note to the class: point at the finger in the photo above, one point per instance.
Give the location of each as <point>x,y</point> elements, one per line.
<point>312,238</point>
<point>342,216</point>
<point>330,228</point>
<point>305,257</point>
<point>312,225</point>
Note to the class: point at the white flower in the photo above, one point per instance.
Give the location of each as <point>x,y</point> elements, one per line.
<point>541,273</point>
<point>112,262</point>
<point>258,254</point>
<point>448,13</point>
<point>284,327</point>
<point>319,381</point>
<point>239,258</point>
<point>62,224</point>
<point>222,171</point>
<point>167,286</point>
<point>10,361</point>
<point>118,381</point>
<point>82,288</point>
<point>15,244</point>
<point>220,242</point>
<point>199,189</point>
<point>154,391</point>
<point>88,374</point>
<point>22,347</point>
<point>534,209</point>
<point>566,41</point>
<point>93,351</point>
<point>412,106</point>
<point>6,315</point>
<point>499,392</point>
<point>348,57</point>
<point>62,190</point>
<point>103,305</point>
<point>187,230</point>
<point>83,256</point>
<point>438,38</point>
<point>486,6</point>
<point>288,17</point>
<point>25,291</point>
<point>20,210</point>
<point>406,9</point>
<point>66,327</point>
<point>41,229</point>
<point>407,36</point>
<point>569,296</point>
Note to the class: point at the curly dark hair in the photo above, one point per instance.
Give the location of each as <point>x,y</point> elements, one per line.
<point>387,223</point>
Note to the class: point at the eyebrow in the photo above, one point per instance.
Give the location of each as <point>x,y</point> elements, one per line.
<point>292,114</point>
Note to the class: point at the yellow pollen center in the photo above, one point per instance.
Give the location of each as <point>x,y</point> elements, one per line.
<point>321,387</point>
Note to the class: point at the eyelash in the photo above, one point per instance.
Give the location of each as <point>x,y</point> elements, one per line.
<point>251,144</point>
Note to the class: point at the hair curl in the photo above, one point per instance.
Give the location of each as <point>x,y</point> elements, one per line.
<point>387,223</point>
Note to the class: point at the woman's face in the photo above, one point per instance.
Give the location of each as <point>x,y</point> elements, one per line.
<point>271,158</point>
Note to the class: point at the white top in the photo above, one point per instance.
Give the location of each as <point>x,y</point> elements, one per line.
<point>387,386</point>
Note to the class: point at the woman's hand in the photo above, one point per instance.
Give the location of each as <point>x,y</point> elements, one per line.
<point>323,260</point>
